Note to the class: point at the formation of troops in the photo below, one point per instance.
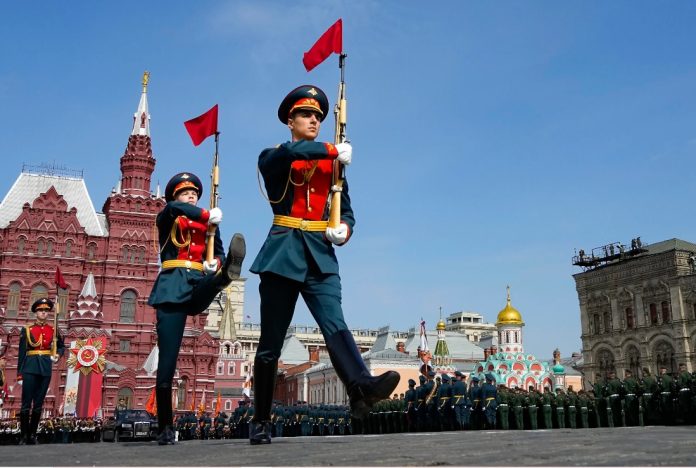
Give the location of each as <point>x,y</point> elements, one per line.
<point>54,431</point>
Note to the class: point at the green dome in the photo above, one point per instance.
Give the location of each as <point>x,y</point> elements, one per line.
<point>558,369</point>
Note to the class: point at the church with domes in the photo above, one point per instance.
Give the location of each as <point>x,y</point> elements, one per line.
<point>507,362</point>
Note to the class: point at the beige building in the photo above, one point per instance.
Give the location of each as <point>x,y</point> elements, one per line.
<point>471,325</point>
<point>637,307</point>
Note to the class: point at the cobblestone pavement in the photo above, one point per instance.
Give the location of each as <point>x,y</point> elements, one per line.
<point>649,446</point>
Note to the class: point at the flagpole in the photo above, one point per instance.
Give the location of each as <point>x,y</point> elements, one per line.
<point>214,182</point>
<point>339,174</point>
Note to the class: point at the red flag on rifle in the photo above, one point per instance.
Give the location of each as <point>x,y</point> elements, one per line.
<point>60,281</point>
<point>329,42</point>
<point>203,126</point>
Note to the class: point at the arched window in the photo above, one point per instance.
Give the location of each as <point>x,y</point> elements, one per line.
<point>128,298</point>
<point>607,322</point>
<point>633,358</point>
<point>654,320</point>
<point>13,299</point>
<point>141,255</point>
<point>40,246</point>
<point>37,292</point>
<point>181,394</point>
<point>125,394</point>
<point>231,368</point>
<point>605,360</point>
<point>63,299</point>
<point>20,244</point>
<point>630,323</point>
<point>517,337</point>
<point>49,247</point>
<point>220,368</point>
<point>133,254</point>
<point>68,248</point>
<point>228,349</point>
<point>91,251</point>
<point>125,254</point>
<point>666,312</point>
<point>664,357</point>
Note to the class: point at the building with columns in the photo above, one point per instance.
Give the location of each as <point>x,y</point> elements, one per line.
<point>637,307</point>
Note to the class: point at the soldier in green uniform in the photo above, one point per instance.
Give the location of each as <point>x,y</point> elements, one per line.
<point>547,408</point>
<point>650,397</point>
<point>615,391</point>
<point>35,367</point>
<point>186,284</point>
<point>571,408</point>
<point>666,384</point>
<point>504,399</point>
<point>298,257</point>
<point>684,396</point>
<point>583,406</point>
<point>517,403</point>
<point>631,402</point>
<point>532,402</point>
<point>460,401</point>
<point>598,388</point>
<point>559,403</point>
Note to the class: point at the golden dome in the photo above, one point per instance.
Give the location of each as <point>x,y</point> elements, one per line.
<point>441,325</point>
<point>509,315</point>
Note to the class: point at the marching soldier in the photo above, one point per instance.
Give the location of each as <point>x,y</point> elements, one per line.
<point>517,410</point>
<point>35,366</point>
<point>444,397</point>
<point>298,257</point>
<point>571,407</point>
<point>600,402</point>
<point>559,402</point>
<point>187,283</point>
<point>583,404</point>
<point>547,409</point>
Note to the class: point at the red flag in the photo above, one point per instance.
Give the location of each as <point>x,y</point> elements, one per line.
<point>151,404</point>
<point>330,41</point>
<point>203,126</point>
<point>218,404</point>
<point>60,281</point>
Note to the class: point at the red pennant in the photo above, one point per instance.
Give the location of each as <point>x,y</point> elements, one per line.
<point>203,126</point>
<point>329,42</point>
<point>60,281</point>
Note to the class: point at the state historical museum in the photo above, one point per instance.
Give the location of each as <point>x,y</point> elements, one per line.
<point>110,261</point>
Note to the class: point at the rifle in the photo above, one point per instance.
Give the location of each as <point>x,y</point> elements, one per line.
<point>214,182</point>
<point>340,114</point>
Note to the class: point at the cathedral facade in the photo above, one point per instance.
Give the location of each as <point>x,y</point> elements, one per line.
<point>110,260</point>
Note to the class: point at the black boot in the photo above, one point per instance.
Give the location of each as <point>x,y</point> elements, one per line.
<point>165,433</point>
<point>264,385</point>
<point>23,427</point>
<point>33,427</point>
<point>364,390</point>
<point>232,268</point>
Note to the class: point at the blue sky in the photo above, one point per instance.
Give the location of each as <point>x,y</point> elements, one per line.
<point>490,139</point>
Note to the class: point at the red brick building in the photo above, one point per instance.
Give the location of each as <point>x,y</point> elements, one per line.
<point>110,261</point>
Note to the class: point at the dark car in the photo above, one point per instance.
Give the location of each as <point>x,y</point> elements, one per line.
<point>131,424</point>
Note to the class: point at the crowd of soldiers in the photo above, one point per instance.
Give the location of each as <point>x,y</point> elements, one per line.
<point>299,419</point>
<point>446,403</point>
<point>64,430</point>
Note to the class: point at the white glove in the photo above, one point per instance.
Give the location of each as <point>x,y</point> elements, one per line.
<point>345,153</point>
<point>337,236</point>
<point>211,267</point>
<point>215,216</point>
<point>54,358</point>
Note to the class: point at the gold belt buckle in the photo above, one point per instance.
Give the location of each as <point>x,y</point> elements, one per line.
<point>188,264</point>
<point>304,225</point>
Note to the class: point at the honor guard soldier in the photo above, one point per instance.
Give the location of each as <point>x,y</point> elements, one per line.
<point>684,396</point>
<point>187,283</point>
<point>546,408</point>
<point>476,407</point>
<point>411,402</point>
<point>503,400</point>
<point>35,366</point>
<point>444,401</point>
<point>631,402</point>
<point>666,384</point>
<point>615,391</point>
<point>600,403</point>
<point>532,402</point>
<point>298,257</point>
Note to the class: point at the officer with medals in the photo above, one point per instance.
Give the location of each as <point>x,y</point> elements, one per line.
<point>35,366</point>
<point>298,257</point>
<point>187,283</point>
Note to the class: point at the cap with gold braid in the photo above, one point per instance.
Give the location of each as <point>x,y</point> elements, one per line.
<point>42,304</point>
<point>182,181</point>
<point>304,97</point>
